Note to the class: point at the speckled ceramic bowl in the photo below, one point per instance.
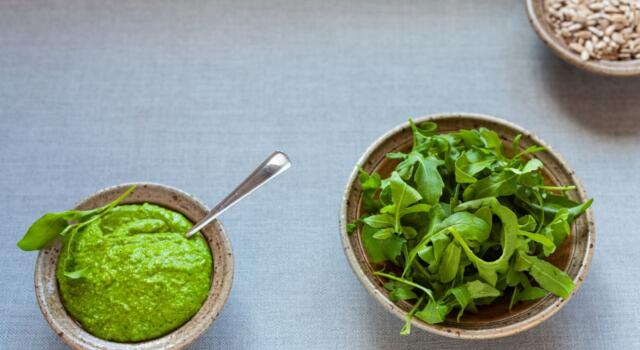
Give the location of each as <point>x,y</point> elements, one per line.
<point>492,321</point>
<point>537,17</point>
<point>222,274</point>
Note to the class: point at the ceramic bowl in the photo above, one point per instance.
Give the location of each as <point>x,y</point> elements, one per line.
<point>492,321</point>
<point>71,332</point>
<point>537,18</point>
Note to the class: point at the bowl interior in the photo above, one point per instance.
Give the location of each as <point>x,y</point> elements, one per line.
<point>221,277</point>
<point>537,16</point>
<point>494,320</point>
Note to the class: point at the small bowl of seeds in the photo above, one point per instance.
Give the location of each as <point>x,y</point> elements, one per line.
<point>601,36</point>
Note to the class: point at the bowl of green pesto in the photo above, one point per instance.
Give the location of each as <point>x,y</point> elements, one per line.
<point>117,271</point>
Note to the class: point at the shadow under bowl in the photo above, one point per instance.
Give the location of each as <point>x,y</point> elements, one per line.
<point>46,285</point>
<point>495,320</point>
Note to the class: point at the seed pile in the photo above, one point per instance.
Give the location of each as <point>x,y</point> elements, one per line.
<point>597,29</point>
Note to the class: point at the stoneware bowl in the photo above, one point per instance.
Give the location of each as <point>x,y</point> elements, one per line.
<point>492,321</point>
<point>222,273</point>
<point>537,17</point>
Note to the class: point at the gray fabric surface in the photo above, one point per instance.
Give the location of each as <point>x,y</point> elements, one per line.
<point>194,93</point>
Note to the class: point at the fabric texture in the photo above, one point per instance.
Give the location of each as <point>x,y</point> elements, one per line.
<point>194,94</point>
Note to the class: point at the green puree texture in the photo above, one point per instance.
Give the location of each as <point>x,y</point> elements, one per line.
<point>143,278</point>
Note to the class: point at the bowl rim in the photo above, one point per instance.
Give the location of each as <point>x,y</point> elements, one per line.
<point>448,331</point>
<point>171,340</point>
<point>609,68</point>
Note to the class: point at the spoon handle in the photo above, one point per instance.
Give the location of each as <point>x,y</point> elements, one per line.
<point>273,166</point>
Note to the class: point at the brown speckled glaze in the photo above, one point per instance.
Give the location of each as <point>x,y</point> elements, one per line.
<point>494,321</point>
<point>222,274</point>
<point>536,11</point>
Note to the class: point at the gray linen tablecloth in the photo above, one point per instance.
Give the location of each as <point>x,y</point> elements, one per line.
<point>195,93</point>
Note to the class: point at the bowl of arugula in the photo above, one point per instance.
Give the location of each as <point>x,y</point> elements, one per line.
<point>466,226</point>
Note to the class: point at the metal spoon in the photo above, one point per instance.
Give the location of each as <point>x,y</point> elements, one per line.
<point>273,166</point>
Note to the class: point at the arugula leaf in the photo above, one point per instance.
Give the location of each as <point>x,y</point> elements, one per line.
<point>548,276</point>
<point>450,263</point>
<point>399,291</point>
<point>402,194</point>
<point>494,185</point>
<point>434,312</point>
<point>558,229</point>
<point>470,227</point>
<point>477,290</point>
<point>527,223</point>
<point>381,250</point>
<point>532,293</point>
<point>548,246</point>
<point>406,329</point>
<point>383,233</point>
<point>471,163</point>
<point>369,185</point>
<point>379,221</point>
<point>428,180</point>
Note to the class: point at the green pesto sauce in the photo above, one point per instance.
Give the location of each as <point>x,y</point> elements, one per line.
<point>142,278</point>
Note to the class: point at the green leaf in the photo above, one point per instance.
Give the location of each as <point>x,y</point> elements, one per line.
<point>494,185</point>
<point>426,253</point>
<point>532,293</point>
<point>488,269</point>
<point>428,180</point>
<point>383,233</point>
<point>379,221</point>
<point>471,163</point>
<point>406,329</point>
<point>478,290</point>
<point>434,312</point>
<point>553,204</point>
<point>487,273</point>
<point>440,241</point>
<point>521,264</point>
<point>515,277</point>
<point>436,214</point>
<point>381,250</point>
<point>77,274</point>
<point>472,228</point>
<point>547,244</point>
<point>558,228</point>
<point>408,231</point>
<point>424,289</point>
<point>399,291</point>
<point>423,132</point>
<point>515,144</point>
<point>369,185</point>
<point>531,166</point>
<point>51,226</point>
<point>450,263</point>
<point>44,231</point>
<point>463,298</point>
<point>548,276</point>
<point>491,141</point>
<point>416,208</point>
<point>527,223</point>
<point>402,194</point>
<point>368,182</point>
